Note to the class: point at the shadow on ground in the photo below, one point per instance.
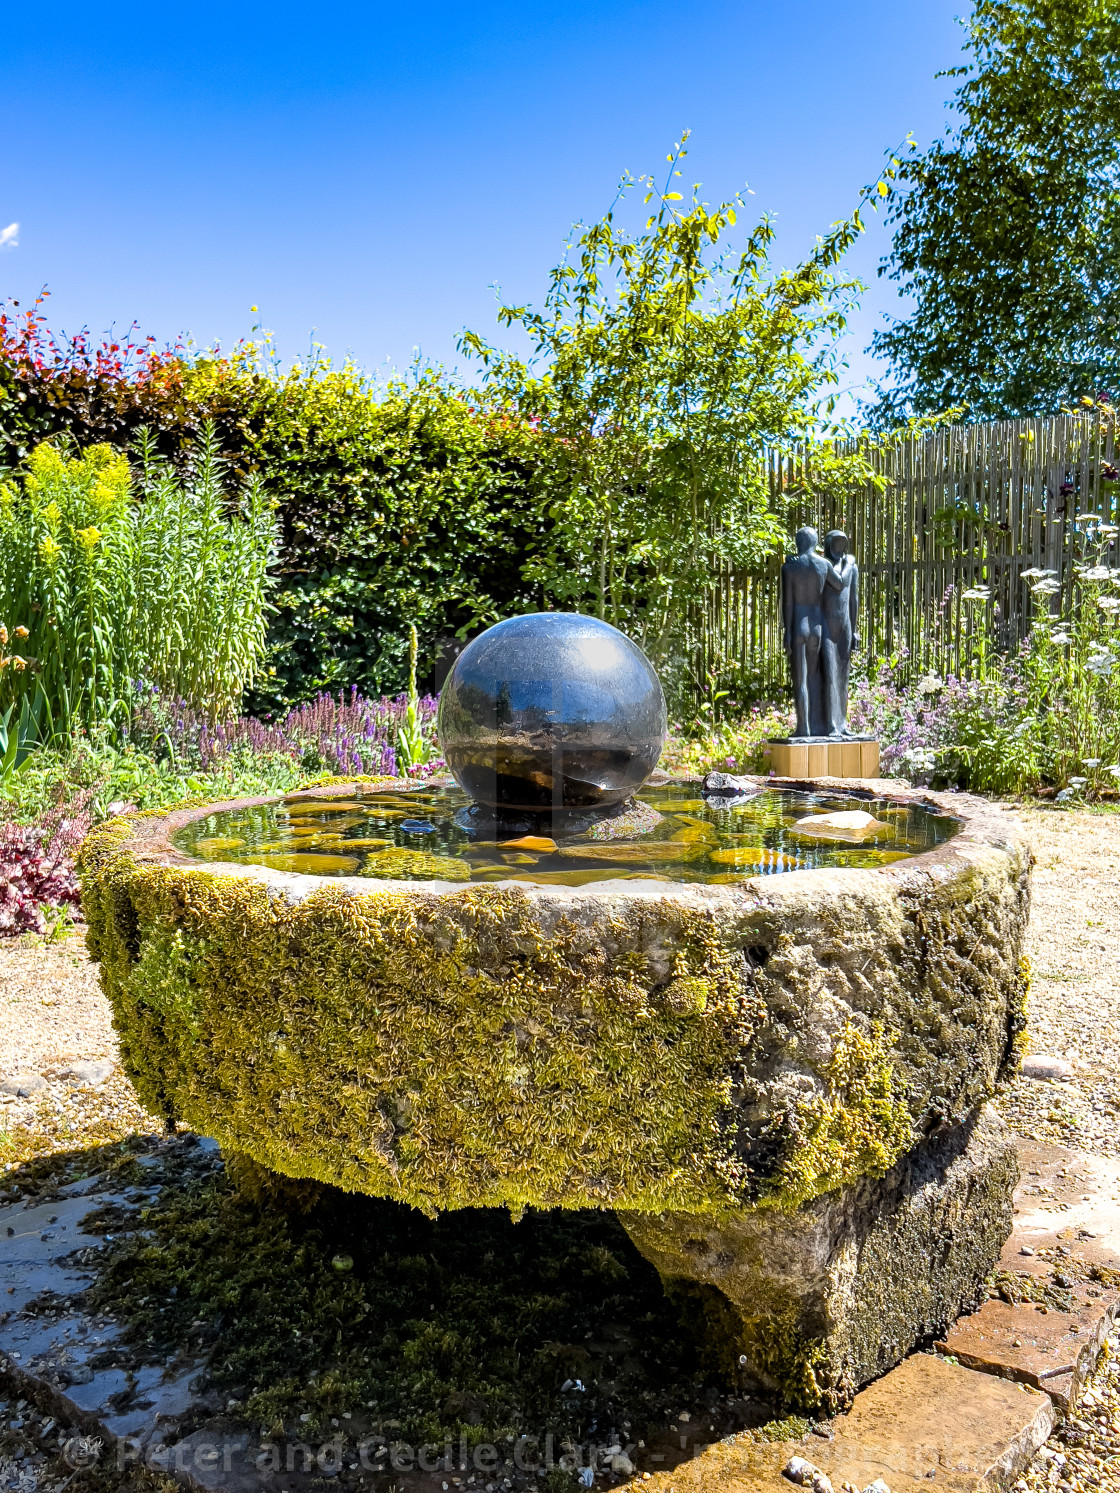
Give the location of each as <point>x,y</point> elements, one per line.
<point>300,1310</point>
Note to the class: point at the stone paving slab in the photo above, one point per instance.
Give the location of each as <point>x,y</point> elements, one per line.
<point>928,1424</point>
<point>1067,1226</point>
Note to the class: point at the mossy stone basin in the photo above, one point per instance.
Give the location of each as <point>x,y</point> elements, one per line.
<point>777,1080</point>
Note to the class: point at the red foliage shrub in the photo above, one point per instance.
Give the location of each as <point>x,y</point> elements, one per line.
<point>37,872</point>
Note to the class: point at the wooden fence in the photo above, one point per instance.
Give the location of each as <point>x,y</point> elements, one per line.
<point>960,508</point>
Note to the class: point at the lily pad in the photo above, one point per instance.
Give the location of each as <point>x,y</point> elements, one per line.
<point>322,806</point>
<point>215,843</point>
<point>678,805</point>
<point>754,857</point>
<point>696,834</point>
<point>632,855</point>
<point>870,858</point>
<point>530,842</point>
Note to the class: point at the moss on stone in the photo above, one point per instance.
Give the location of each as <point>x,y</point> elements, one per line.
<point>858,1126</point>
<point>699,1051</point>
<point>446,1050</point>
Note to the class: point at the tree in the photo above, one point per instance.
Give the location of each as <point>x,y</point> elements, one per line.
<point>1007,233</point>
<point>662,364</point>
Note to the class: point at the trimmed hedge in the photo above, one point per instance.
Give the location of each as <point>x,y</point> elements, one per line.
<point>396,505</point>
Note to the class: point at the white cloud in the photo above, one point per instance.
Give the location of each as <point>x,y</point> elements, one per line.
<point>9,237</point>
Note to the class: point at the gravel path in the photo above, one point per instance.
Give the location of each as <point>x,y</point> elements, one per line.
<point>54,1020</point>
<point>58,1054</point>
<point>1074,949</point>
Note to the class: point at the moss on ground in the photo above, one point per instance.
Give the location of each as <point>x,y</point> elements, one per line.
<point>467,1325</point>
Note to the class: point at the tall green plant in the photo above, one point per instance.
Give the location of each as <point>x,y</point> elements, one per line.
<point>397,502</point>
<point>663,363</point>
<point>413,746</point>
<point>102,588</point>
<point>1072,668</point>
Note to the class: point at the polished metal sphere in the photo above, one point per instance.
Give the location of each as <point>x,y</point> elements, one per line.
<point>551,711</point>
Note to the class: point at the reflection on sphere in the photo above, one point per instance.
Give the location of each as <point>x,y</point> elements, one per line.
<point>551,711</point>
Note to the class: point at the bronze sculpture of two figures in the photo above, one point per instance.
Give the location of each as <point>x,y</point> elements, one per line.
<point>820,609</point>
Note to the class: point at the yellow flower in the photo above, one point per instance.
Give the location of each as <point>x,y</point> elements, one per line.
<point>104,500</point>
<point>52,517</point>
<point>89,538</point>
<point>49,551</point>
<point>21,632</point>
<point>45,462</point>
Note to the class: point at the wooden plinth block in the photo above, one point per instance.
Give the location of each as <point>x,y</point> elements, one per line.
<point>824,759</point>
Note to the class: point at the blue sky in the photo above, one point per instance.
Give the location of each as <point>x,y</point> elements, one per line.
<point>365,173</point>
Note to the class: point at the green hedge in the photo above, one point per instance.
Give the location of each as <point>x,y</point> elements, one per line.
<point>396,505</point>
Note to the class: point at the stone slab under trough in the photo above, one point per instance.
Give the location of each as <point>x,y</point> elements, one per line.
<point>841,1289</point>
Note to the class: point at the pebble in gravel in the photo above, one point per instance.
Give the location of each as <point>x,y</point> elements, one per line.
<point>23,1085</point>
<point>1044,1068</point>
<point>90,1074</point>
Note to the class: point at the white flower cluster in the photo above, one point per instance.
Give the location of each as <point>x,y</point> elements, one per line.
<point>1101,660</point>
<point>920,759</point>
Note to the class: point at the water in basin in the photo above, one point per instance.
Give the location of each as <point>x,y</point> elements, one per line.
<point>669,832</point>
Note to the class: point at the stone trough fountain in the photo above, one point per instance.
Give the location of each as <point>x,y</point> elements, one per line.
<point>760,1024</point>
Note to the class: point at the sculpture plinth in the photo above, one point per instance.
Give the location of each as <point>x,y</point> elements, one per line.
<point>821,757</point>
<point>820,618</point>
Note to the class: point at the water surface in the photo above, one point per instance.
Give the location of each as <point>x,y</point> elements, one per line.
<point>669,832</point>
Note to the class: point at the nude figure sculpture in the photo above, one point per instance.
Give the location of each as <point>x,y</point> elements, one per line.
<point>820,609</point>
<point>803,623</point>
<point>841,621</point>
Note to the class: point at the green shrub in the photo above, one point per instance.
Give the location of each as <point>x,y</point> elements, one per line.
<point>1046,718</point>
<point>102,586</point>
<point>400,504</point>
<point>404,506</point>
